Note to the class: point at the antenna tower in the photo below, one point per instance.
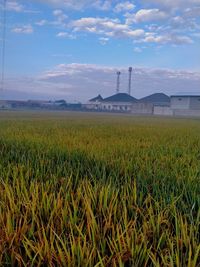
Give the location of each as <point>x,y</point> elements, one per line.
<point>129,80</point>
<point>118,81</point>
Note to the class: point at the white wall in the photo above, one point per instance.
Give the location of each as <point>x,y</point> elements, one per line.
<point>163,111</point>
<point>195,103</point>
<point>142,108</point>
<point>136,108</point>
<point>116,106</point>
<point>187,113</point>
<point>92,106</point>
<point>179,102</point>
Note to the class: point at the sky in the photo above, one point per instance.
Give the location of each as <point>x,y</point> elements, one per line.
<point>70,49</point>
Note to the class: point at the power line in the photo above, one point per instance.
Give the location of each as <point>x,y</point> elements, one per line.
<point>3,46</point>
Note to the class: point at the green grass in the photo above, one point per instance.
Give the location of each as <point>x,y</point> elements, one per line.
<point>80,189</point>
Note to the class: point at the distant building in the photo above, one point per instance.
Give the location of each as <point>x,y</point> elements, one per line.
<point>123,102</point>
<point>119,102</point>
<point>185,102</point>
<point>151,102</point>
<point>155,104</point>
<point>157,99</point>
<point>181,105</point>
<point>4,105</point>
<point>32,104</point>
<point>94,103</point>
<point>185,105</point>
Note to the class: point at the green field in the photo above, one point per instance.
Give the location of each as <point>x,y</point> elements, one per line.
<point>80,189</point>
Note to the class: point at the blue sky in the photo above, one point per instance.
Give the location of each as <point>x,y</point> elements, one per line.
<point>72,49</point>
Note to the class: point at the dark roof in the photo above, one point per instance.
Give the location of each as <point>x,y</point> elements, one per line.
<point>157,98</point>
<point>97,98</point>
<point>185,96</point>
<point>120,97</point>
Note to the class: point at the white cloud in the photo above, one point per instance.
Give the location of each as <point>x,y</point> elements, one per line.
<point>135,33</point>
<point>14,6</point>
<point>137,50</point>
<point>60,20</point>
<point>57,12</point>
<point>124,6</point>
<point>165,39</point>
<point>146,15</point>
<point>171,18</point>
<point>179,40</point>
<point>102,5</point>
<point>66,35</point>
<point>41,22</point>
<point>108,27</point>
<point>103,40</point>
<point>178,21</point>
<point>89,22</point>
<point>61,17</point>
<point>25,29</point>
<point>113,28</point>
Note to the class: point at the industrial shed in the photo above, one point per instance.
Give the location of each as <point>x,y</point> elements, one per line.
<point>119,102</point>
<point>180,105</point>
<point>123,102</point>
<point>157,99</point>
<point>157,104</point>
<point>185,105</point>
<point>186,102</point>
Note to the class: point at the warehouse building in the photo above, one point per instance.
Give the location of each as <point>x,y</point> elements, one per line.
<point>185,102</point>
<point>119,102</point>
<point>155,104</point>
<point>157,99</point>
<point>185,105</point>
<point>123,102</point>
<point>181,105</point>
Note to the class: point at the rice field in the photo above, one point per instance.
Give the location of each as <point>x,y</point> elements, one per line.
<point>99,190</point>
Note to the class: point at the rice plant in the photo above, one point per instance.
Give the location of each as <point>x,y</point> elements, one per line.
<point>99,190</point>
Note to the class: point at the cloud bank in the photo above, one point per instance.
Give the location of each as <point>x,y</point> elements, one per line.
<point>80,82</point>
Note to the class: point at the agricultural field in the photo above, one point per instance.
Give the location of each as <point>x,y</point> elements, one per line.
<point>80,189</point>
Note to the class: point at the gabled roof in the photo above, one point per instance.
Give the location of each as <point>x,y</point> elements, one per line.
<point>120,97</point>
<point>156,98</point>
<point>97,98</point>
<point>185,96</point>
